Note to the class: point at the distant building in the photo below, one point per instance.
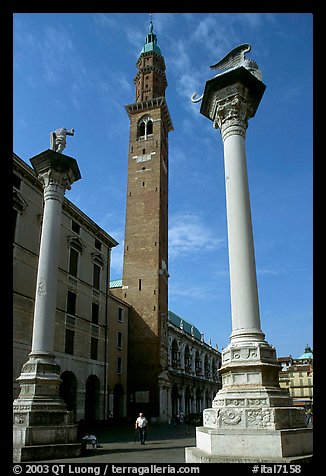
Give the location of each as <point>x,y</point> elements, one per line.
<point>297,377</point>
<point>193,367</point>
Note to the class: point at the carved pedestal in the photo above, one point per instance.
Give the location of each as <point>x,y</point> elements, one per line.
<point>43,428</point>
<point>250,396</point>
<point>252,418</point>
<point>251,446</point>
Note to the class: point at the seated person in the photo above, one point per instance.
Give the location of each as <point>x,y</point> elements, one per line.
<point>90,439</point>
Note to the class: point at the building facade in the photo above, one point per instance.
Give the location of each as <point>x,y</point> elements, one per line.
<point>297,377</point>
<point>193,368</point>
<point>91,326</point>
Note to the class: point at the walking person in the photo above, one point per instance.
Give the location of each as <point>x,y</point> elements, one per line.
<point>141,425</point>
<point>187,421</point>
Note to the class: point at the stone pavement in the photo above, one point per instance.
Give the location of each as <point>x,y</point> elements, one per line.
<point>165,444</point>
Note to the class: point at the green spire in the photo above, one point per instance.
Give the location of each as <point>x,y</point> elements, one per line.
<point>151,41</point>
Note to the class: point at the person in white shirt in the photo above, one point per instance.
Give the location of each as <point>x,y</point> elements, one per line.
<point>141,425</point>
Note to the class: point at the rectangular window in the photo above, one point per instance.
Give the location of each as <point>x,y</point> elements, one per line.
<point>94,346</point>
<point>119,365</point>
<point>139,284</point>
<point>98,244</point>
<point>95,312</point>
<point>16,181</point>
<point>69,341</point>
<point>73,262</point>
<point>71,303</point>
<point>119,340</point>
<point>75,227</point>
<point>96,276</point>
<point>120,314</point>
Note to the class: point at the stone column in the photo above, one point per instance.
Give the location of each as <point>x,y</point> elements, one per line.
<point>231,117</point>
<point>164,395</point>
<point>42,426</point>
<point>251,416</point>
<point>182,399</point>
<point>55,185</point>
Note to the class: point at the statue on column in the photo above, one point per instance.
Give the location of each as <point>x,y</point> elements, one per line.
<point>234,59</point>
<point>58,139</point>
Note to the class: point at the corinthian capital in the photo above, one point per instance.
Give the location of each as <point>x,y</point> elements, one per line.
<point>56,171</point>
<point>231,115</point>
<point>231,111</point>
<point>55,184</point>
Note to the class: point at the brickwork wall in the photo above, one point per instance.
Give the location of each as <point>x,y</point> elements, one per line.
<point>146,236</point>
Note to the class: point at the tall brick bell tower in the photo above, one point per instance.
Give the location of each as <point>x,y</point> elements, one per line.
<point>145,270</point>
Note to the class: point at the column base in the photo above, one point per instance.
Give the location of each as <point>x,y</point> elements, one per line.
<point>46,452</point>
<point>55,438</point>
<point>252,419</point>
<point>43,428</point>
<point>250,396</point>
<point>251,446</point>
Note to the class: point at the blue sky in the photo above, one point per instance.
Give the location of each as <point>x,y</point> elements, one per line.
<point>77,70</point>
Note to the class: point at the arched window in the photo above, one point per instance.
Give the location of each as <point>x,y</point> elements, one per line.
<point>68,391</point>
<point>145,128</point>
<point>142,129</point>
<point>198,401</point>
<point>175,355</point>
<point>149,127</point>
<point>214,370</point>
<point>92,398</point>
<point>187,360</point>
<point>197,363</point>
<point>188,398</point>
<point>206,367</point>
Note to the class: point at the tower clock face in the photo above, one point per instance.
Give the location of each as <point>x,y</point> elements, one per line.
<point>143,158</point>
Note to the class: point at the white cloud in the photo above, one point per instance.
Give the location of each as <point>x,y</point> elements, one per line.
<point>213,35</point>
<point>183,290</point>
<point>189,235</point>
<point>107,20</point>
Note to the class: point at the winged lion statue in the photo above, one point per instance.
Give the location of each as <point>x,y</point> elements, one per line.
<point>234,59</point>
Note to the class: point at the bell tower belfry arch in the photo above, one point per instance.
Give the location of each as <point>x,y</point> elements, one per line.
<point>145,268</point>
